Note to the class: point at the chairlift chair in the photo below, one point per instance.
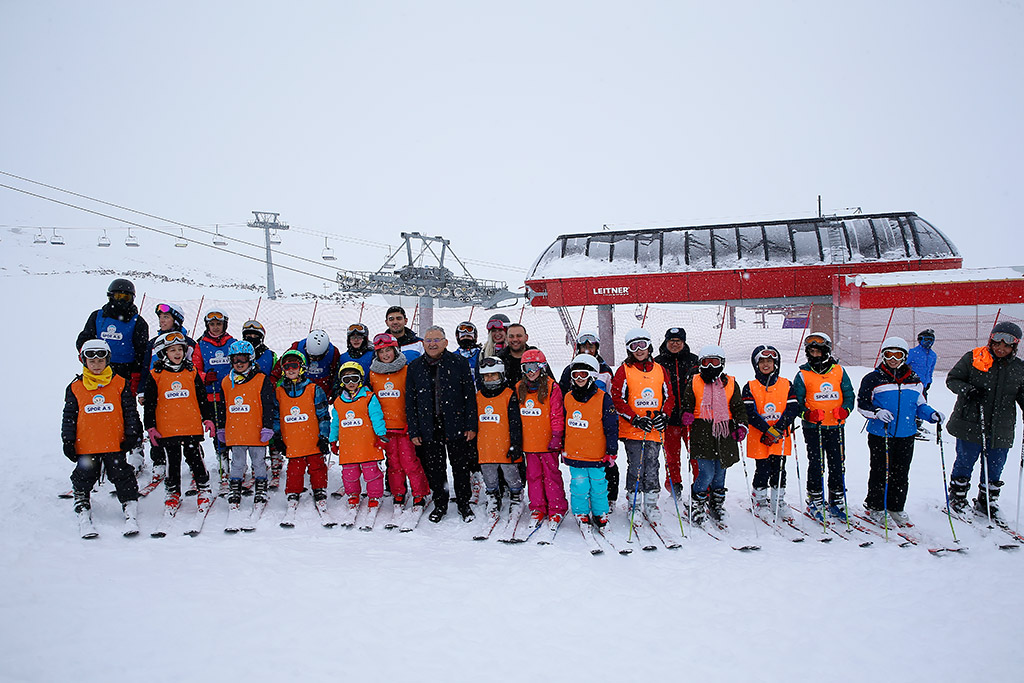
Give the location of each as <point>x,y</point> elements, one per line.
<point>103,241</point>
<point>218,239</point>
<point>328,253</point>
<point>131,240</point>
<point>274,237</point>
<point>40,238</point>
<point>55,238</point>
<point>181,243</point>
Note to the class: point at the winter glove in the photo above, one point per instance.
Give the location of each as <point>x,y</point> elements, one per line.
<point>660,421</point>
<point>840,413</point>
<point>515,456</point>
<point>134,381</point>
<point>814,416</point>
<point>211,429</point>
<point>642,422</point>
<point>687,419</point>
<point>334,447</point>
<point>973,392</point>
<point>153,436</point>
<point>212,377</point>
<point>609,459</point>
<point>884,415</point>
<point>381,442</point>
<point>324,445</point>
<point>221,435</point>
<point>266,435</point>
<point>937,417</point>
<point>768,440</point>
<point>69,451</point>
<point>555,445</point>
<point>739,433</point>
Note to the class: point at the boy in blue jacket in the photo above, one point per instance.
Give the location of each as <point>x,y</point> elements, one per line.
<point>892,398</point>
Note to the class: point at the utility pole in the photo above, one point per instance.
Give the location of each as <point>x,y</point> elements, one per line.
<point>268,221</point>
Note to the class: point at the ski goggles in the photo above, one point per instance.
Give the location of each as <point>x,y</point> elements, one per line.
<point>815,340</point>
<point>239,358</point>
<point>711,362</point>
<point>465,331</point>
<point>252,326</point>
<point>164,308</point>
<point>495,325</point>
<point>291,365</point>
<point>96,353</point>
<point>489,363</point>
<point>1004,337</point>
<point>384,340</point>
<point>580,374</point>
<point>894,354</point>
<point>121,296</point>
<point>215,316</point>
<point>531,367</point>
<point>174,338</point>
<point>351,379</point>
<point>587,339</point>
<point>638,345</point>
<point>771,354</point>
<point>357,328</point>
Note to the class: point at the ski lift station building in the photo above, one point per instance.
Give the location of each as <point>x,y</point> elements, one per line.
<point>780,263</point>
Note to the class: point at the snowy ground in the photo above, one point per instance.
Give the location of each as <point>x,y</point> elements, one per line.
<point>435,604</point>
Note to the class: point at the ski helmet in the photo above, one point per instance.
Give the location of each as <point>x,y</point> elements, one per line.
<point>818,340</point>
<point>121,286</point>
<point>587,337</point>
<point>168,339</point>
<point>348,369</point>
<point>173,311</point>
<point>297,355</point>
<point>465,330</point>
<point>765,351</point>
<point>533,356</point>
<point>898,343</point>
<point>636,334</point>
<point>926,334</point>
<point>1006,332</point>
<point>358,328</point>
<point>95,348</point>
<point>241,348</point>
<point>253,332</point>
<point>712,351</point>
<point>215,314</point>
<point>317,343</point>
<point>585,361</point>
<point>675,333</point>
<point>498,321</point>
<point>491,364</point>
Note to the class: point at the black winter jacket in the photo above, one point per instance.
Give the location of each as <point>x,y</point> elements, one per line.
<point>445,385</point>
<point>1004,390</point>
<point>680,366</point>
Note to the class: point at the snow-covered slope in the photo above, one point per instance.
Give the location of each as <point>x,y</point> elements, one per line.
<point>433,604</point>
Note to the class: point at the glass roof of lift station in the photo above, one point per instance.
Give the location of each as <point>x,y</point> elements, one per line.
<point>808,241</point>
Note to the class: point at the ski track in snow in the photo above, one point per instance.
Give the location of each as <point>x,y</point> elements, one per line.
<point>317,602</point>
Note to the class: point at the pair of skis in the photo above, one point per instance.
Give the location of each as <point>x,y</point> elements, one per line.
<point>239,521</point>
<point>195,525</point>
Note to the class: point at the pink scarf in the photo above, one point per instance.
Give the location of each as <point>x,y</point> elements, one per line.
<point>715,408</point>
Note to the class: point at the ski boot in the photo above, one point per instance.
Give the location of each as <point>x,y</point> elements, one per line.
<point>493,504</point>
<point>293,506</point>
<point>987,501</point>
<point>698,508</point>
<point>777,503</point>
<point>900,517</point>
<point>958,489</point>
<point>204,495</point>
<point>651,510</point>
<point>353,501</point>
<point>477,482</point>
<point>554,519</point>
<point>438,513</point>
<point>234,494</point>
<point>837,507</point>
<point>816,506</point>
<point>131,514</point>
<point>466,512</point>
<point>600,521</point>
<point>84,512</point>
<point>759,499</point>
<point>716,506</point>
<point>583,520</point>
<point>877,516</point>
<point>259,492</point>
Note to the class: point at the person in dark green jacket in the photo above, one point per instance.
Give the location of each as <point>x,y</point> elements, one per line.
<point>989,384</point>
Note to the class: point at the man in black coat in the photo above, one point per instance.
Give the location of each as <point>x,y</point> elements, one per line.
<point>440,405</point>
<point>989,384</point>
<point>680,363</point>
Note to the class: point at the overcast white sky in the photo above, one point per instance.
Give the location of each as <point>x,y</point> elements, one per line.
<point>502,125</point>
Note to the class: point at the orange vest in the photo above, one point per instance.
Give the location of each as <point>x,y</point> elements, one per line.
<point>644,391</point>
<point>243,418</point>
<point>584,430</point>
<point>390,391</point>
<point>356,438</point>
<point>300,429</point>
<point>770,403</point>
<point>824,392</point>
<point>100,419</point>
<point>177,408</point>
<point>536,421</point>
<point>493,439</point>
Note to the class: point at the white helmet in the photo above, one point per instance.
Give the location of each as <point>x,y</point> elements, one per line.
<point>588,360</point>
<point>93,345</point>
<point>317,343</point>
<point>587,337</point>
<point>168,339</point>
<point>896,343</point>
<point>712,351</point>
<point>638,333</point>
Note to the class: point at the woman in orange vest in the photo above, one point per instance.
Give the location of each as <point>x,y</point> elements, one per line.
<point>358,436</point>
<point>303,424</point>
<point>591,441</point>
<point>540,405</point>
<point>100,425</point>
<point>771,409</point>
<point>499,437</point>
<point>249,408</point>
<point>713,408</point>
<point>826,397</point>
<point>388,370</point>
<point>175,415</point>
<point>643,400</point>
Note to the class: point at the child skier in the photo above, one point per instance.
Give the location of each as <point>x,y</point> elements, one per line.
<point>892,398</point>
<point>302,424</point>
<point>387,381</point>
<point>358,437</point>
<point>499,437</point>
<point>176,414</point>
<point>771,409</point>
<point>249,408</point>
<point>540,405</point>
<point>358,349</point>
<point>713,410</point>
<point>825,394</point>
<point>100,424</point>
<point>211,361</point>
<point>591,440</point>
<point>254,333</point>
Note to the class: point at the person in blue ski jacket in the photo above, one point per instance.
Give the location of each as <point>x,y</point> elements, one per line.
<point>922,359</point>
<point>254,333</point>
<point>126,332</point>
<point>360,350</point>
<point>892,399</point>
<point>465,335</point>
<point>322,361</point>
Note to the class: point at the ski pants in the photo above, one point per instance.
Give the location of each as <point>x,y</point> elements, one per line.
<point>770,471</point>
<point>157,455</point>
<point>493,472</point>
<point>544,484</point>
<point>403,464</point>
<point>707,475</point>
<point>642,462</point>
<point>827,442</point>
<point>887,483</point>
<point>191,447</point>
<point>370,471</point>
<point>296,473</point>
<point>122,476</point>
<point>256,454</point>
<point>967,454</point>
<point>434,456</point>
<point>588,490</point>
<point>675,437</point>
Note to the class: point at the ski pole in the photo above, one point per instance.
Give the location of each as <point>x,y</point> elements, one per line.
<point>796,461</point>
<point>743,459</point>
<point>984,466</point>
<point>636,489</point>
<point>885,494</point>
<point>675,499</point>
<point>821,465</point>
<point>842,471</point>
<point>780,470</point>
<point>1020,480</point>
<point>689,487</point>
<point>945,484</point>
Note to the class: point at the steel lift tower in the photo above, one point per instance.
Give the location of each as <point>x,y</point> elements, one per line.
<point>268,222</point>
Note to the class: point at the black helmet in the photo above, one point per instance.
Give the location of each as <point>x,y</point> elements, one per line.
<point>121,285</point>
<point>929,333</point>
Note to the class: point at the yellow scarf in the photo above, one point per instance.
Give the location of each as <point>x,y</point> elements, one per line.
<point>93,382</point>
